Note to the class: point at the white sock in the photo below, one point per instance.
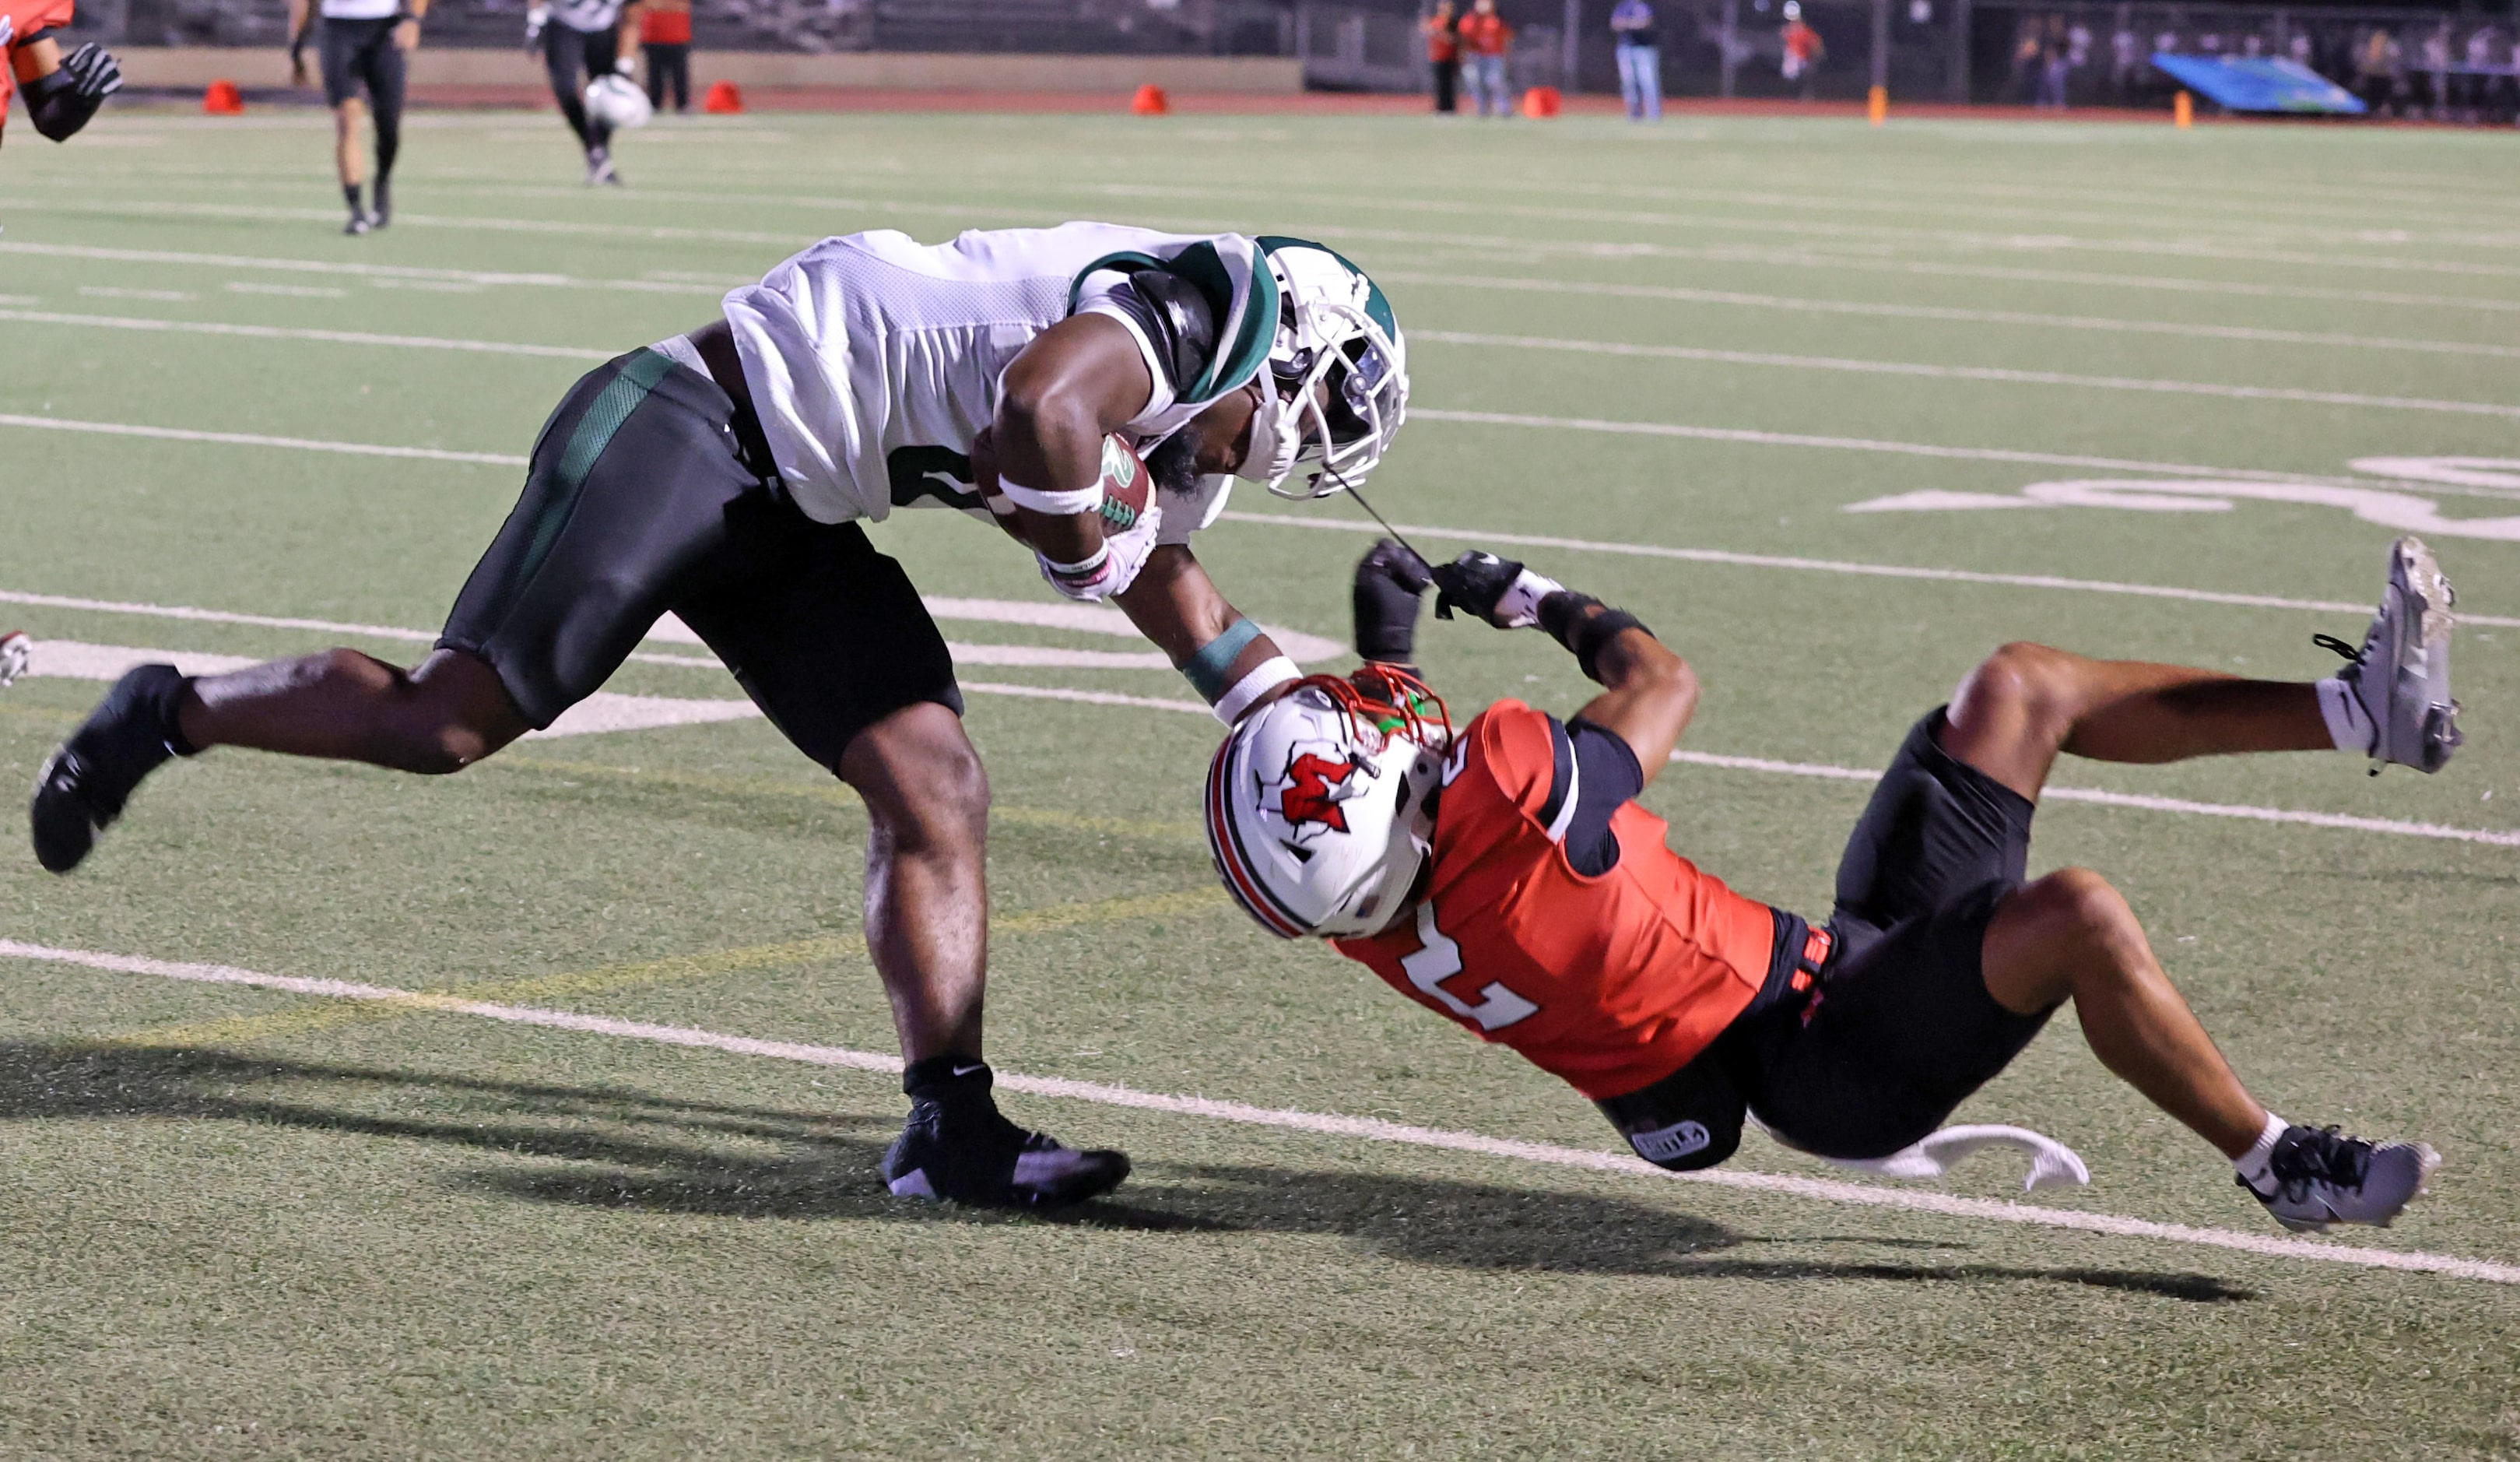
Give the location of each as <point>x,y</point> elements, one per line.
<point>2252,1165</point>
<point>2349,726</point>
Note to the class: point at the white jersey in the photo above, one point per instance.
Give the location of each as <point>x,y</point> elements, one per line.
<point>587,16</point>
<point>874,360</point>
<point>359,10</point>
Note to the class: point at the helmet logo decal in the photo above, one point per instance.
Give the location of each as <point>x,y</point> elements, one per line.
<point>1308,793</point>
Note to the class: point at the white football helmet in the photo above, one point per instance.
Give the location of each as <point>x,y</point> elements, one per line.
<point>1334,327</point>
<point>616,101</point>
<point>1320,805</point>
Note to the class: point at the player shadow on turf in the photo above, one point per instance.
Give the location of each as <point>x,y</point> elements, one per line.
<point>631,1150</point>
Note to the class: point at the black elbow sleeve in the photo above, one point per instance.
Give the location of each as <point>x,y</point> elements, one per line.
<point>1569,620</point>
<point>61,104</point>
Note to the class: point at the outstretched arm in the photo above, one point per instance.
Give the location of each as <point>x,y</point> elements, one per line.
<point>1650,693</point>
<point>1229,660</point>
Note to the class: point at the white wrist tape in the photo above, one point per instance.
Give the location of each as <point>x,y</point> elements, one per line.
<point>1267,677</point>
<point>1083,568</point>
<point>1519,607</point>
<point>1056,504</point>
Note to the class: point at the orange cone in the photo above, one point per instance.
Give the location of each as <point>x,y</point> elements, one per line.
<point>1876,105</point>
<point>722,100</point>
<point>223,100</point>
<point>1149,101</point>
<point>2183,111</point>
<point>1543,101</point>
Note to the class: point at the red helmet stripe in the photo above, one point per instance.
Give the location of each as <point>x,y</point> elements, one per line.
<point>1224,847</point>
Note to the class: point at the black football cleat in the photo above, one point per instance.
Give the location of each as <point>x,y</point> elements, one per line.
<point>972,1154</point>
<point>88,778</point>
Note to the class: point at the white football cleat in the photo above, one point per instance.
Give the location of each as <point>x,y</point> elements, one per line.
<point>15,650</point>
<point>2401,676</point>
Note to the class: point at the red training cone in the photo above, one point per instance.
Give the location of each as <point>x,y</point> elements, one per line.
<point>1149,101</point>
<point>223,100</point>
<point>722,100</point>
<point>1542,100</point>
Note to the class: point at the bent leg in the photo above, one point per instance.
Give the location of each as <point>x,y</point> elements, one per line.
<point>2071,937</point>
<point>443,716</point>
<point>927,880</point>
<point>2025,702</point>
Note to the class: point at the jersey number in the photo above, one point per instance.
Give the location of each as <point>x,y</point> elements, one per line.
<point>1440,960</point>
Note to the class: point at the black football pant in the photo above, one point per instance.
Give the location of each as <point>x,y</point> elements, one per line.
<point>572,56</point>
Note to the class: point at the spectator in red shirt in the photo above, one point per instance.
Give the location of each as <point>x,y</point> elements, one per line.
<point>1485,38</point>
<point>666,34</point>
<point>1444,53</point>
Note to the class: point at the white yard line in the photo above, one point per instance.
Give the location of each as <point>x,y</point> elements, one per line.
<point>1839,566</point>
<point>254,439</point>
<point>1476,418</point>
<point>1923,371</point>
<point>357,270</point>
<point>1801,304</point>
<point>608,712</point>
<point>282,333</point>
<point>1321,1123</point>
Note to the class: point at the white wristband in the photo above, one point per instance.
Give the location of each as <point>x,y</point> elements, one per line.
<point>1056,504</point>
<point>1267,677</point>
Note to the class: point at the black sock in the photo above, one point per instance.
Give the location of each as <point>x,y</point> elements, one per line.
<point>350,192</point>
<point>381,193</point>
<point>163,695</point>
<point>950,1080</point>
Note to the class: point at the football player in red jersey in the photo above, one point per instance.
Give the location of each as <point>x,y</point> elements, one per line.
<point>1505,877</point>
<point>61,91</point>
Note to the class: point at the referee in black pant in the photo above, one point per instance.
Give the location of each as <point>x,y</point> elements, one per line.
<point>365,43</point>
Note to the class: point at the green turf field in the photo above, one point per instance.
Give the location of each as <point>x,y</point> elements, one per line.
<point>245,1222</point>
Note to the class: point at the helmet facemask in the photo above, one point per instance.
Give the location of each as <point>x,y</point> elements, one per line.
<point>1335,388</point>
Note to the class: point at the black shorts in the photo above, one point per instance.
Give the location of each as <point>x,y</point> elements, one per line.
<point>360,56</point>
<point>1900,1028</point>
<point>643,497</point>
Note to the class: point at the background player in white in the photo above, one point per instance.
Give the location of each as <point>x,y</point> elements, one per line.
<point>582,42</point>
<point>365,46</point>
<point>724,476</point>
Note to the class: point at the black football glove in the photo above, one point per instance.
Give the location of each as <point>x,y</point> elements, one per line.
<point>62,102</point>
<point>1499,591</point>
<point>1389,580</point>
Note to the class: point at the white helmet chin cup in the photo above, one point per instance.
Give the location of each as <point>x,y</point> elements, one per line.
<point>1318,821</point>
<point>1338,352</point>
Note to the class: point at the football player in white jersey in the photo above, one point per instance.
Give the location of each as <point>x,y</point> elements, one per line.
<point>582,42</point>
<point>725,475</point>
<point>365,48</point>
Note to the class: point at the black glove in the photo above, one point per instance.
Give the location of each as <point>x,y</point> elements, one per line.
<point>1499,591</point>
<point>1389,580</point>
<point>62,102</point>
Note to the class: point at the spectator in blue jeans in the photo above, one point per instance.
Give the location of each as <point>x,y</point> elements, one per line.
<point>1640,60</point>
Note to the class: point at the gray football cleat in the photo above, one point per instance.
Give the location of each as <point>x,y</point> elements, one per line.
<point>2401,676</point>
<point>2321,1177</point>
<point>16,652</point>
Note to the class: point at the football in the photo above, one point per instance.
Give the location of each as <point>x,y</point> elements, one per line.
<point>1127,487</point>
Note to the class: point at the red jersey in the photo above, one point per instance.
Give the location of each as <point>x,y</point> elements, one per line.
<point>1485,36</point>
<point>1611,981</point>
<point>664,27</point>
<point>28,19</point>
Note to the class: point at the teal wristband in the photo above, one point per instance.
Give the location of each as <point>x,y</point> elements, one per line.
<point>1210,671</point>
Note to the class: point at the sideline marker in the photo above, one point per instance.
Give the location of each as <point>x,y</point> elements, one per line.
<point>722,100</point>
<point>1543,102</point>
<point>1876,105</point>
<point>2183,111</point>
<point>1149,101</point>
<point>223,99</point>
